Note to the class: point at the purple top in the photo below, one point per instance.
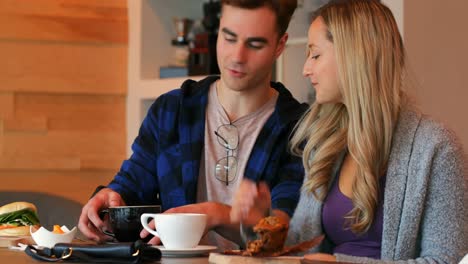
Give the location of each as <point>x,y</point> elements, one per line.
<point>335,207</point>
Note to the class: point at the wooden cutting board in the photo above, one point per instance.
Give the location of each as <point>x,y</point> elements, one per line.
<point>7,241</point>
<point>216,258</point>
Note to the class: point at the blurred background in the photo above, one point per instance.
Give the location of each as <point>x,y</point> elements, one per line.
<point>76,77</point>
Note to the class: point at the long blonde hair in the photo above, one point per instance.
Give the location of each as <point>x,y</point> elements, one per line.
<point>371,66</point>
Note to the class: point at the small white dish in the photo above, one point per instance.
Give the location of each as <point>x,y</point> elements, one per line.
<point>46,238</point>
<point>186,252</point>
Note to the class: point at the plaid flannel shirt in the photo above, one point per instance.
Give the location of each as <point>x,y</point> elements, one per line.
<point>167,152</point>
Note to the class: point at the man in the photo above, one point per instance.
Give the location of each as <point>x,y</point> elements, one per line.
<point>198,142</point>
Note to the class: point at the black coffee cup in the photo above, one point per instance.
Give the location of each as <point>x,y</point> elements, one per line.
<point>125,221</point>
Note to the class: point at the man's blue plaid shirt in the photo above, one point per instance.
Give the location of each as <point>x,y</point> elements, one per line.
<point>166,153</point>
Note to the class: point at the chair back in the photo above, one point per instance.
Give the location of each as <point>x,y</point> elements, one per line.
<point>51,209</point>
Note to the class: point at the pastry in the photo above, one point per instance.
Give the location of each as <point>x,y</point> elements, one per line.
<point>271,235</point>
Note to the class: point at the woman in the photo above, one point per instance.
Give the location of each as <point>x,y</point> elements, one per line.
<point>383,182</point>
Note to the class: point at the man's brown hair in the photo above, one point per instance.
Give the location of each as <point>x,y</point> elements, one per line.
<point>283,10</point>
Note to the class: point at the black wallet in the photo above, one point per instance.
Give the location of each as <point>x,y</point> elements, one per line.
<point>135,252</point>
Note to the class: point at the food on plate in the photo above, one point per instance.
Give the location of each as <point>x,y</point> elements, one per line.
<point>301,247</point>
<point>57,230</point>
<point>271,235</point>
<point>15,218</point>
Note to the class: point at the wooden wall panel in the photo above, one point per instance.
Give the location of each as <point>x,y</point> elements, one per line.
<point>6,104</point>
<point>96,161</point>
<point>38,162</point>
<point>71,106</point>
<point>64,20</point>
<point>75,112</point>
<point>36,124</point>
<point>63,85</point>
<point>91,123</point>
<point>76,185</point>
<point>67,143</point>
<point>63,68</point>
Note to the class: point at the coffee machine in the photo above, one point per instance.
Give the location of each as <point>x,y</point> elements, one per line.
<point>202,48</point>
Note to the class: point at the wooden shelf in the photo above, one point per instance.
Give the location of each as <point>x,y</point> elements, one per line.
<point>149,47</point>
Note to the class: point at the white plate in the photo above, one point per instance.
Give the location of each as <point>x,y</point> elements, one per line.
<point>186,252</point>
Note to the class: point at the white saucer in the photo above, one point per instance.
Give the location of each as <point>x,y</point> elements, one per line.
<point>185,252</point>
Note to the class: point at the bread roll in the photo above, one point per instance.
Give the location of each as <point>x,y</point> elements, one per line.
<point>16,206</point>
<point>15,231</point>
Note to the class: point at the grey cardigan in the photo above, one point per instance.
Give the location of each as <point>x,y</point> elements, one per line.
<point>425,216</point>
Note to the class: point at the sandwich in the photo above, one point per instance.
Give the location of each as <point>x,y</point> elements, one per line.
<point>15,218</point>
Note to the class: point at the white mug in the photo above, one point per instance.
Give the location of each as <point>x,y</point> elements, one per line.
<point>176,231</point>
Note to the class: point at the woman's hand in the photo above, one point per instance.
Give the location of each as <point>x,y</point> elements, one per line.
<point>320,257</point>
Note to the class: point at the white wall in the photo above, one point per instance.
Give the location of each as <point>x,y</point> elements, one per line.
<point>436,38</point>
<point>290,71</point>
<point>397,7</point>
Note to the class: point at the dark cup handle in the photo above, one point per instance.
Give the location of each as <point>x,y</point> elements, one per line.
<point>102,213</point>
<point>108,233</point>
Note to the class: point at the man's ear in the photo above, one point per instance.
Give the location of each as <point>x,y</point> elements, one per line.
<point>281,44</point>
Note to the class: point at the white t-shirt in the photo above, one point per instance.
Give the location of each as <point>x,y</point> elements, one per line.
<point>209,187</point>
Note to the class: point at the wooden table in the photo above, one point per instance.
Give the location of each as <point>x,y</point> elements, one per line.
<point>19,257</point>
